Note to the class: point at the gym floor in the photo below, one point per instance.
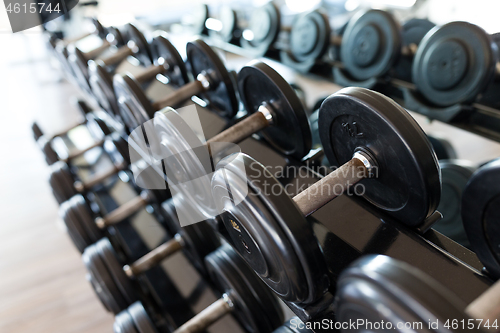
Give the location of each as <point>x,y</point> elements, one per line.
<point>42,284</point>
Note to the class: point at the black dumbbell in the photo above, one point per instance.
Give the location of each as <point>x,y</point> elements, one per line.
<point>454,63</point>
<point>454,176</point>
<point>65,184</point>
<point>274,110</point>
<point>129,41</point>
<point>410,298</point>
<point>134,319</point>
<point>196,241</point>
<point>244,296</point>
<point>166,61</point>
<point>375,143</point>
<point>96,28</point>
<point>481,215</point>
<point>213,83</point>
<point>443,148</point>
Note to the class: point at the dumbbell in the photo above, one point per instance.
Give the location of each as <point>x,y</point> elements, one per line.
<point>134,319</point>
<point>213,83</point>
<point>96,29</point>
<point>231,25</point>
<point>196,241</point>
<point>84,229</point>
<point>481,215</point>
<point>443,148</point>
<point>274,110</point>
<point>411,299</point>
<point>454,176</point>
<point>166,61</point>
<point>64,183</point>
<point>244,296</point>
<point>375,143</point>
<point>454,63</point>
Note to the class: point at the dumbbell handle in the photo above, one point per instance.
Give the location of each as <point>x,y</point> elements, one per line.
<point>82,151</point>
<point>92,54</point>
<point>486,306</point>
<point>182,94</point>
<point>327,189</point>
<point>122,212</point>
<point>121,54</point>
<point>154,257</point>
<point>149,73</point>
<point>97,179</point>
<point>208,316</point>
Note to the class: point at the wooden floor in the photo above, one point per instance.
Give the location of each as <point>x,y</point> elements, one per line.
<point>42,279</point>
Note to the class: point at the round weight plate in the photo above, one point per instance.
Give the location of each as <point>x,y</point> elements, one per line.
<point>453,63</point>
<point>310,36</point>
<point>381,289</point>
<point>268,230</point>
<point>101,84</point>
<point>415,29</point>
<point>165,52</point>
<point>407,184</point>
<point>83,107</point>
<point>61,181</point>
<point>83,215</point>
<point>199,17</point>
<point>371,44</point>
<point>455,175</point>
<point>141,318</point>
<point>50,154</point>
<point>102,282</point>
<point>99,29</point>
<point>144,53</point>
<point>255,307</point>
<point>115,36</point>
<point>124,323</point>
<point>199,241</point>
<point>110,259</point>
<point>135,108</point>
<point>121,146</point>
<point>443,148</point>
<point>37,131</point>
<point>481,215</point>
<point>75,230</point>
<point>79,67</point>
<point>222,93</point>
<point>187,161</point>
<point>229,21</point>
<point>97,128</point>
<point>290,133</point>
<point>264,25</point>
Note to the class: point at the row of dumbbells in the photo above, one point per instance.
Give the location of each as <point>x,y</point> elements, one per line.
<point>449,64</point>
<point>275,98</point>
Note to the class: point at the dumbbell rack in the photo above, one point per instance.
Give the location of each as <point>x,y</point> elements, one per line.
<point>357,228</point>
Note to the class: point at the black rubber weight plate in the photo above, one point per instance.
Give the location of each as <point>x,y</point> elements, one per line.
<point>61,181</point>
<point>68,213</point>
<point>408,183</point>
<point>84,215</point>
<point>144,54</point>
<point>481,215</point>
<point>268,230</point>
<point>408,296</point>
<point>50,154</point>
<point>222,94</point>
<point>371,44</point>
<point>290,133</point>
<point>124,323</point>
<point>310,36</point>
<point>414,30</point>
<point>255,307</point>
<point>101,84</point>
<point>135,107</point>
<point>453,64</point>
<point>141,318</point>
<point>443,148</point>
<point>164,50</point>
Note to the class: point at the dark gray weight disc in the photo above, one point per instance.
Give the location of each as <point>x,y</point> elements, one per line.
<point>265,25</point>
<point>481,215</point>
<point>50,154</point>
<point>61,181</point>
<point>37,131</point>
<point>371,44</point>
<point>102,281</point>
<point>97,128</point>
<point>453,64</point>
<point>290,133</point>
<point>310,36</point>
<point>165,52</point>
<point>408,184</point>
<point>229,21</point>
<point>222,93</point>
<point>75,230</point>
<point>144,53</point>
<point>135,108</point>
<point>82,215</point>
<point>99,29</point>
<point>101,85</point>
<point>121,280</point>
<point>454,174</point>
<point>268,230</point>
<point>379,289</point>
<point>124,323</point>
<point>443,148</point>
<point>255,307</point>
<point>141,318</point>
<point>79,67</point>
